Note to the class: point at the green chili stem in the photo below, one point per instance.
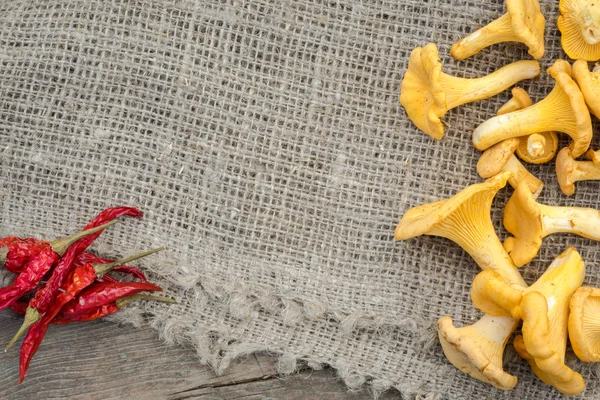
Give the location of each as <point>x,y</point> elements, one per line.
<point>31,317</point>
<point>126,300</point>
<point>102,269</point>
<point>61,245</point>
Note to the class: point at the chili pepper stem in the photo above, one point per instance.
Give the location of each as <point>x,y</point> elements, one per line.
<point>31,317</point>
<point>126,300</point>
<point>102,269</point>
<point>61,245</point>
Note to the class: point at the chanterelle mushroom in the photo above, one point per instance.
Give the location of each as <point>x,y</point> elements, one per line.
<point>584,323</point>
<point>569,171</point>
<point>427,93</point>
<point>477,349</point>
<point>537,148</point>
<point>563,110</point>
<point>529,222</point>
<point>465,219</point>
<point>579,24</point>
<point>523,23</point>
<point>544,309</point>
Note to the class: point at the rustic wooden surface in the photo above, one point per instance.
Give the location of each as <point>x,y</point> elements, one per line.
<point>103,360</point>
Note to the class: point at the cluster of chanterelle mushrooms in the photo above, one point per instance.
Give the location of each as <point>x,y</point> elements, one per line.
<point>557,306</point>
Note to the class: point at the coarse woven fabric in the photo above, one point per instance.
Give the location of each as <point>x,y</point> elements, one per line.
<point>265,143</point>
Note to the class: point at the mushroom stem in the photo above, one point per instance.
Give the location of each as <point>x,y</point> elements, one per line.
<point>536,144</point>
<point>593,155</point>
<point>586,171</point>
<point>497,31</point>
<point>530,120</point>
<point>578,220</point>
<point>462,90</point>
<point>478,349</point>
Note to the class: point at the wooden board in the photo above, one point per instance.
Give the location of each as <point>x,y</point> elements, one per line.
<point>103,360</point>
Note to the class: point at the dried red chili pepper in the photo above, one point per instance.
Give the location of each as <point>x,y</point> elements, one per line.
<point>100,294</point>
<point>35,269</point>
<point>107,309</point>
<point>80,278</point>
<point>92,303</point>
<point>5,241</point>
<point>44,296</point>
<point>15,252</point>
<point>93,313</point>
<point>19,252</point>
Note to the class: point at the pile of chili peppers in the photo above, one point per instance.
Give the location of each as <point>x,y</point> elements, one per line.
<point>60,282</point>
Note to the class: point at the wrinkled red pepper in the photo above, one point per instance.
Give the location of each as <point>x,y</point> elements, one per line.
<point>81,278</point>
<point>29,278</point>
<point>93,313</point>
<point>84,307</point>
<point>100,294</point>
<point>16,252</point>
<point>43,297</point>
<point>106,309</point>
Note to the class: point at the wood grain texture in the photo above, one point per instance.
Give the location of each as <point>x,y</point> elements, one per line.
<point>103,360</point>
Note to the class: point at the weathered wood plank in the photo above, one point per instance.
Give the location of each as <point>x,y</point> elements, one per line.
<point>102,360</point>
<point>301,386</point>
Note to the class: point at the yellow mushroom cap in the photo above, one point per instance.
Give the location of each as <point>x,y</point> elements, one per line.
<point>422,95</point>
<point>579,24</point>
<point>584,323</point>
<point>565,379</point>
<point>477,349</point>
<point>562,72</point>
<point>565,166</point>
<point>545,311</point>
<point>589,83</point>
<point>493,159</point>
<point>528,24</point>
<point>465,219</point>
<point>422,219</point>
<point>522,219</point>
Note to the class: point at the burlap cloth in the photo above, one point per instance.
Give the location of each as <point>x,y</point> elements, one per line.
<point>265,144</point>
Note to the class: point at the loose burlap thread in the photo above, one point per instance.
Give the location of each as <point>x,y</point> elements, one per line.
<point>265,144</point>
